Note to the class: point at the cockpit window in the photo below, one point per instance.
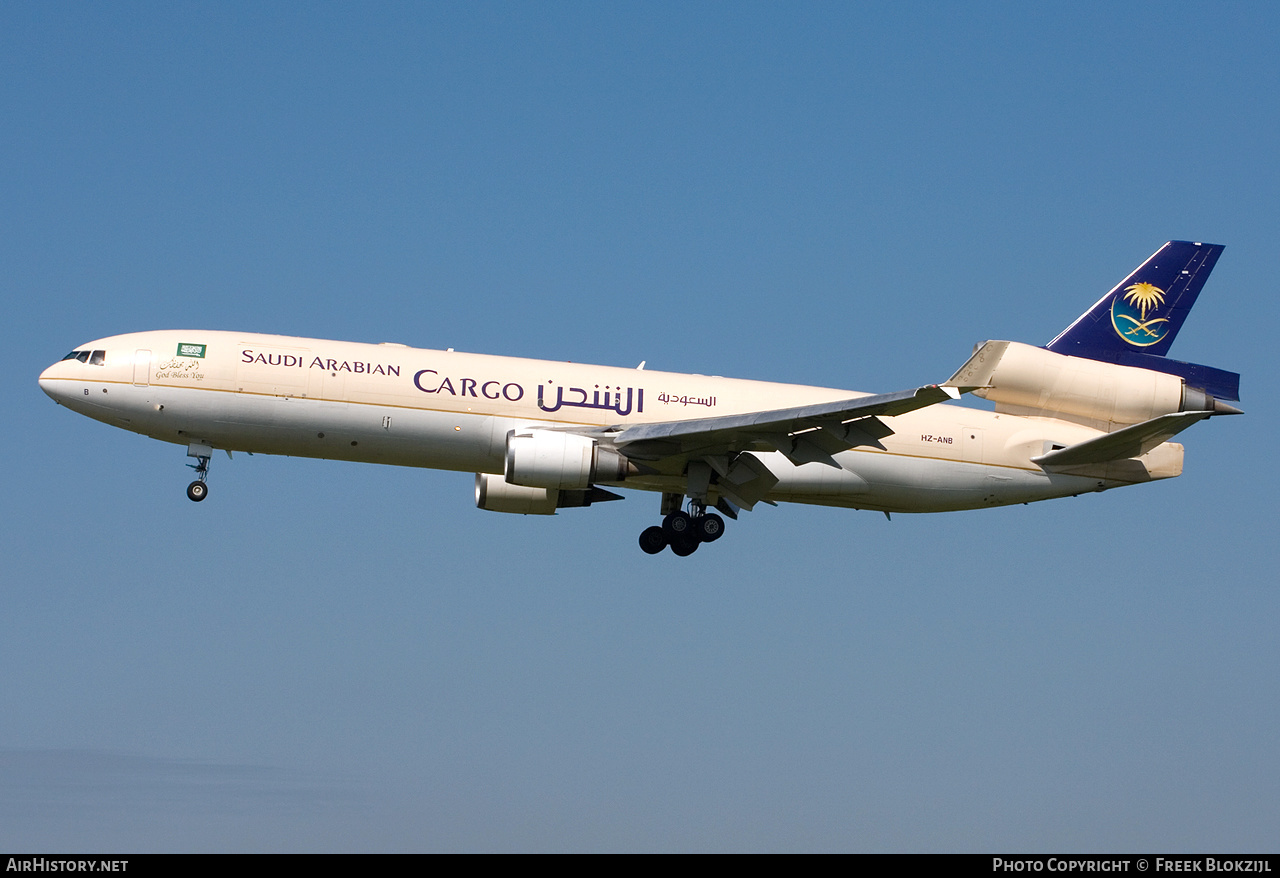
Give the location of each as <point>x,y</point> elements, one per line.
<point>93,358</point>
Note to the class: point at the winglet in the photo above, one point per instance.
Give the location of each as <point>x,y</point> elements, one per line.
<point>976,372</point>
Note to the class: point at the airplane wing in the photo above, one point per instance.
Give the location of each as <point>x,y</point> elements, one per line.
<point>805,434</point>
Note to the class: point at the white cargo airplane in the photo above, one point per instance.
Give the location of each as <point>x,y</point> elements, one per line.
<point>1092,410</point>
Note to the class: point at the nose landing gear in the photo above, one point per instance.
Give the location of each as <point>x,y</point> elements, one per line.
<point>199,489</point>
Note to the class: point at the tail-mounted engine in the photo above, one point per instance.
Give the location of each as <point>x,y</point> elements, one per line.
<point>1025,380</point>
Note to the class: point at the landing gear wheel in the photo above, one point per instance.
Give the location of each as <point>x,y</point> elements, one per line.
<point>197,491</point>
<point>653,540</point>
<point>676,526</point>
<point>684,546</point>
<point>709,527</point>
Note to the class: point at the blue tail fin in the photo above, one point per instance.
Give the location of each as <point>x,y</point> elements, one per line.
<point>1135,323</point>
<point>1145,310</point>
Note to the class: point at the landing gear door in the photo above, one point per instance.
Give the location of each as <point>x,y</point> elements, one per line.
<point>142,368</point>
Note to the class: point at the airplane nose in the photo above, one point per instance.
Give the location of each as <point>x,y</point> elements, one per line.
<point>48,384</point>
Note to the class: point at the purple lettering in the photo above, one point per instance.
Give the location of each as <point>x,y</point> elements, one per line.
<point>417,379</point>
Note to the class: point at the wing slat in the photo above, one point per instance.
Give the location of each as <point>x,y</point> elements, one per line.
<point>732,432</point>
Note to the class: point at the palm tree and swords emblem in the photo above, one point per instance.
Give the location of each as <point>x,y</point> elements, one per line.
<point>1132,308</point>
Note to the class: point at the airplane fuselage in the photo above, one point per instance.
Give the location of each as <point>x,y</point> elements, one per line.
<point>391,404</point>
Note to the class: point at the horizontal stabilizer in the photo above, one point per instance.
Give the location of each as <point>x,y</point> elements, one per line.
<point>1133,441</point>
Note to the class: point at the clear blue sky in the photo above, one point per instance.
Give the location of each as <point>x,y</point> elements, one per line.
<point>329,656</point>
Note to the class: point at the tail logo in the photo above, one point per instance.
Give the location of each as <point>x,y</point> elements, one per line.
<point>1129,315</point>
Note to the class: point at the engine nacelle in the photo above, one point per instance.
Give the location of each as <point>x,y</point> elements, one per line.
<point>1022,379</point>
<point>497,495</point>
<point>557,460</point>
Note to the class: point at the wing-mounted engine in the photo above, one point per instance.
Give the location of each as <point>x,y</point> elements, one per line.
<point>1025,380</point>
<point>496,494</point>
<point>556,459</point>
<point>548,470</point>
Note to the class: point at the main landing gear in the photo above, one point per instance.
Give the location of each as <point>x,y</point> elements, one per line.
<point>683,531</point>
<point>199,489</point>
